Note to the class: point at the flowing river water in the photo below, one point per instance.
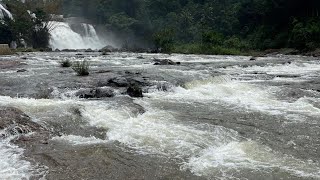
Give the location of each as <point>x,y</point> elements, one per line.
<point>211,117</point>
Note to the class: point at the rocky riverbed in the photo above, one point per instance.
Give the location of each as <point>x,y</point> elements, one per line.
<point>155,116</point>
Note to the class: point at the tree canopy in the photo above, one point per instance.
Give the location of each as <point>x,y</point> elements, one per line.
<point>255,24</point>
<point>205,25</point>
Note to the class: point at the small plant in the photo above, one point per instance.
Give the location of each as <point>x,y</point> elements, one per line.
<point>66,63</point>
<point>81,68</point>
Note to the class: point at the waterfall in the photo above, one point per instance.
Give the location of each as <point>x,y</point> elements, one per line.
<point>64,37</point>
<point>4,12</point>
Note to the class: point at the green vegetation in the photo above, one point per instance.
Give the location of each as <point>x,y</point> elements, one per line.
<point>186,26</point>
<point>206,26</point>
<point>81,68</point>
<point>66,63</point>
<point>30,23</point>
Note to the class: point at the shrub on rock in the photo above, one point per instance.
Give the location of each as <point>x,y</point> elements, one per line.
<point>81,68</point>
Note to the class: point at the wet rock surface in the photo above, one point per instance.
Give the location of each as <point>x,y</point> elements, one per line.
<point>14,122</point>
<point>13,117</point>
<point>95,161</point>
<point>165,62</point>
<point>134,91</point>
<point>95,93</point>
<point>107,161</point>
<point>7,64</point>
<point>118,81</point>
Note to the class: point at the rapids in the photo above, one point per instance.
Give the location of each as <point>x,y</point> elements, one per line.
<point>215,117</point>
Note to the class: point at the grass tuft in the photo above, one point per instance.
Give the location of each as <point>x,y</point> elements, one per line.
<point>81,68</point>
<point>66,63</point>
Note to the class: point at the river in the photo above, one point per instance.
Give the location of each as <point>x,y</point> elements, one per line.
<point>211,117</point>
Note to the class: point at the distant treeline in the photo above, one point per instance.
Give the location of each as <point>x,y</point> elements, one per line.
<point>208,25</point>
<point>190,26</point>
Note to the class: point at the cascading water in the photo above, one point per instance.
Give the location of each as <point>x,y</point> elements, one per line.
<point>4,12</point>
<point>63,37</point>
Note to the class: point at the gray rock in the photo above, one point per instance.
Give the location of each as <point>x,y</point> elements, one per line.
<point>134,91</point>
<point>165,62</point>
<point>105,54</point>
<point>95,93</point>
<point>15,122</point>
<point>253,58</point>
<point>108,48</point>
<point>86,93</point>
<point>104,92</point>
<point>21,70</point>
<point>119,82</point>
<point>89,50</point>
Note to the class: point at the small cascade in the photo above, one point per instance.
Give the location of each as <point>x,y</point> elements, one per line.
<point>64,37</point>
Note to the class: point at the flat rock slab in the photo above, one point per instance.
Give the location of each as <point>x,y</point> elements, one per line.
<point>103,161</point>
<point>9,64</point>
<point>13,116</point>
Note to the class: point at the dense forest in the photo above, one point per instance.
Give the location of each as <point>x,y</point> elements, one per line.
<point>206,26</point>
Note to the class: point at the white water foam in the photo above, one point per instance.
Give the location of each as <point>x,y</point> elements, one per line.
<point>206,58</point>
<point>155,131</point>
<point>63,37</point>
<point>12,166</point>
<point>294,68</point>
<point>78,140</point>
<point>206,150</point>
<point>222,161</point>
<point>245,95</point>
<point>210,151</point>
